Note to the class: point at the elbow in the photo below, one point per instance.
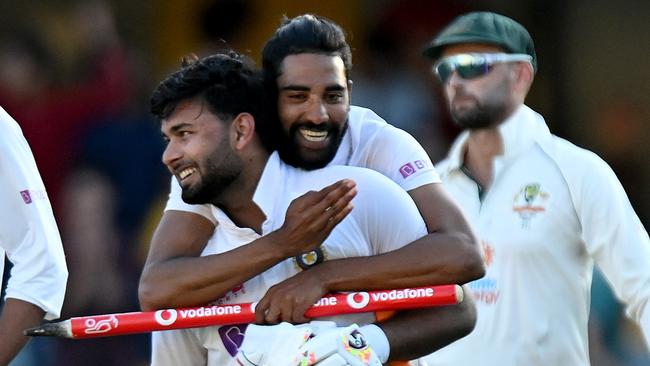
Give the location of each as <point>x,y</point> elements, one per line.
<point>473,263</point>
<point>150,296</point>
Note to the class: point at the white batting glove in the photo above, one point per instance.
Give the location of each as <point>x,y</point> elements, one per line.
<point>272,345</point>
<point>344,346</point>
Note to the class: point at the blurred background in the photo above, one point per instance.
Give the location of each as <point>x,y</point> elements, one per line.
<point>76,74</point>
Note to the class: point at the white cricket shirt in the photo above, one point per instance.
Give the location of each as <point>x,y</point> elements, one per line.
<point>28,233</point>
<point>374,226</point>
<point>368,142</point>
<point>553,210</point>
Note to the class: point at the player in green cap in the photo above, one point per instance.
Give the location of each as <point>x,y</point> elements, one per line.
<point>545,209</point>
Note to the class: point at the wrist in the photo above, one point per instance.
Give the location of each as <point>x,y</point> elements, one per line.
<point>278,245</point>
<point>377,339</point>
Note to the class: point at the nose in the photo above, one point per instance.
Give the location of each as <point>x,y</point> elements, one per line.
<point>317,111</point>
<point>171,155</point>
<point>454,78</point>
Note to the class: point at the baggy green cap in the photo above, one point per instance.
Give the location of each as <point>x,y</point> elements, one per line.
<point>484,27</point>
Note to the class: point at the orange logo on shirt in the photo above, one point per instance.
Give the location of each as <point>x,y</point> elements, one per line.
<point>488,253</point>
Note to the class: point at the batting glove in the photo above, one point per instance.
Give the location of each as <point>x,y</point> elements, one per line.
<point>345,346</point>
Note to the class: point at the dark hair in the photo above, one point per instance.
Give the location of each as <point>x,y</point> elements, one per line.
<point>227,82</point>
<point>305,34</point>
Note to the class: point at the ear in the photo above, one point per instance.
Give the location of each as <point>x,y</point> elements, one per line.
<point>525,76</point>
<point>242,130</point>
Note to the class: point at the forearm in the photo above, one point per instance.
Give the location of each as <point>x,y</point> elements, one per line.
<point>435,259</point>
<point>416,333</point>
<point>17,315</point>
<point>192,281</point>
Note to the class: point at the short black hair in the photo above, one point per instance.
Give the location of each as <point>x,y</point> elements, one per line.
<point>227,81</point>
<point>306,33</point>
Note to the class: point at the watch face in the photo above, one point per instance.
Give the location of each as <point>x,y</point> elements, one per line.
<point>309,259</point>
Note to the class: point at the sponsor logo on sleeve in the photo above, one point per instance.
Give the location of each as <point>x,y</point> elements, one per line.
<point>31,195</point>
<point>411,168</point>
<point>27,197</point>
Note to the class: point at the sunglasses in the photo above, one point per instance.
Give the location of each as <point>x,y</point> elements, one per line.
<point>474,65</point>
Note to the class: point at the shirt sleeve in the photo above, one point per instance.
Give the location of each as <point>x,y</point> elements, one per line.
<point>387,214</point>
<point>28,231</point>
<point>615,238</point>
<point>397,155</point>
<point>175,202</point>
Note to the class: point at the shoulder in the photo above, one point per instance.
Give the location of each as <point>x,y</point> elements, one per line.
<point>368,181</point>
<point>570,158</point>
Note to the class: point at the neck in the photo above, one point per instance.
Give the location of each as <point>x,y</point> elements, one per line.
<point>482,147</point>
<point>237,201</point>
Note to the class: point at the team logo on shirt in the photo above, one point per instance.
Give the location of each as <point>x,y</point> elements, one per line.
<point>232,337</point>
<point>309,259</point>
<point>529,201</point>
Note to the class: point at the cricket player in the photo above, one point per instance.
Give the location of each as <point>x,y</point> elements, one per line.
<point>30,239</point>
<point>545,209</point>
<point>209,113</point>
<point>306,70</point>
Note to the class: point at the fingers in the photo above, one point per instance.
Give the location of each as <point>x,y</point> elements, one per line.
<point>335,205</point>
<point>339,196</point>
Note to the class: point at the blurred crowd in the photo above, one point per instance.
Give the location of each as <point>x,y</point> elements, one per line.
<point>77,74</point>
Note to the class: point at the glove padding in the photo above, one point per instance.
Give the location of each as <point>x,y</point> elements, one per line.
<point>272,345</point>
<point>345,346</point>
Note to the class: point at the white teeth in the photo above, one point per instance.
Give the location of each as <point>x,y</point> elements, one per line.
<point>314,136</point>
<point>186,173</point>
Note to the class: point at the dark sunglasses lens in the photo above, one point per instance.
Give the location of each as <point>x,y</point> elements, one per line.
<point>473,70</point>
<point>444,71</point>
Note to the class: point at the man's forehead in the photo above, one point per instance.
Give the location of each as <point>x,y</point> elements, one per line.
<point>188,111</point>
<point>310,69</point>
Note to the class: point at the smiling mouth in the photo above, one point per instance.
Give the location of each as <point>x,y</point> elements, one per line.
<point>312,135</point>
<point>185,173</point>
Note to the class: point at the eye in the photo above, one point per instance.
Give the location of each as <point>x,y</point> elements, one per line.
<point>297,97</point>
<point>334,97</point>
<point>184,133</point>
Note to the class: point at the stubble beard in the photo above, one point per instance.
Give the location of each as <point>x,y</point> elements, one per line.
<point>216,180</point>
<point>485,113</point>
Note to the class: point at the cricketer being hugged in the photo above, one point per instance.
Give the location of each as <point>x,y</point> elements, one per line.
<point>373,227</point>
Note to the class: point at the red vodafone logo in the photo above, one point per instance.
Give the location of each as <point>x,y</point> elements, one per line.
<point>166,320</point>
<point>358,300</point>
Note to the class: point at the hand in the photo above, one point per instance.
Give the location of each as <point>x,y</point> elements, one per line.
<point>272,345</point>
<point>311,217</point>
<point>337,347</point>
<point>288,300</point>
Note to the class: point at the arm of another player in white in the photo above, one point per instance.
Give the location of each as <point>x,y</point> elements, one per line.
<point>615,237</point>
<point>28,231</point>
